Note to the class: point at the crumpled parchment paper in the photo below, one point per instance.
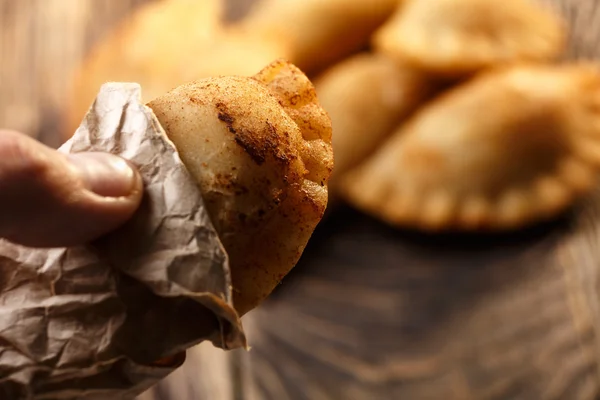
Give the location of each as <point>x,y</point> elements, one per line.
<point>109,320</point>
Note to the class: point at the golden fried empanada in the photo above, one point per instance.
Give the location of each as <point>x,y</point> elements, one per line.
<point>511,147</point>
<point>454,37</point>
<point>320,32</point>
<point>260,149</point>
<point>234,53</point>
<point>152,47</point>
<point>164,45</point>
<point>366,97</point>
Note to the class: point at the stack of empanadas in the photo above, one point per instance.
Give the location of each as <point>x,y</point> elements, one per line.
<point>446,114</point>
<point>475,125</point>
<point>511,142</point>
<point>169,42</point>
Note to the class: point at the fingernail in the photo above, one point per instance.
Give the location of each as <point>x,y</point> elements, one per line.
<point>105,174</point>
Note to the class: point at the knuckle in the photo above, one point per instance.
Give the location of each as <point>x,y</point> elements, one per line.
<point>19,159</point>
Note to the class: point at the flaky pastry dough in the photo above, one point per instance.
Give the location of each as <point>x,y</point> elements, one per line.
<point>511,147</point>
<point>367,96</point>
<point>454,37</point>
<point>260,149</point>
<point>164,44</point>
<point>319,32</point>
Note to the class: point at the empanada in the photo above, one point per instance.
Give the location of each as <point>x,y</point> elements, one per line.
<point>260,149</point>
<point>456,37</point>
<point>511,147</point>
<point>164,45</point>
<point>320,32</point>
<point>367,96</point>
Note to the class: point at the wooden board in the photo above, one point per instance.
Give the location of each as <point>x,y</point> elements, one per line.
<point>372,312</point>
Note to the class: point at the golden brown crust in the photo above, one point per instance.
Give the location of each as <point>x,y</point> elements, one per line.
<point>367,96</point>
<point>319,32</point>
<point>512,147</point>
<point>164,44</point>
<point>263,175</point>
<point>298,97</point>
<point>151,47</point>
<point>458,37</point>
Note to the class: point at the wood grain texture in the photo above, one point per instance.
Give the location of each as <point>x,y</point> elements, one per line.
<point>405,316</point>
<point>376,313</point>
<point>583,17</point>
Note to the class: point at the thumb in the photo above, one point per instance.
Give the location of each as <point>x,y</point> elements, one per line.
<point>50,199</point>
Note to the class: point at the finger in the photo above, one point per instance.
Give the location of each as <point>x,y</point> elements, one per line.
<point>50,199</point>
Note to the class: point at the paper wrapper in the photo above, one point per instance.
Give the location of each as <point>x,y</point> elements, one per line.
<point>109,320</point>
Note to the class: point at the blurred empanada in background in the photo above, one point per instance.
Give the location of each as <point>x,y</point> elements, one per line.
<point>165,44</point>
<point>511,147</point>
<point>457,37</point>
<point>319,32</point>
<point>260,149</point>
<point>367,96</point>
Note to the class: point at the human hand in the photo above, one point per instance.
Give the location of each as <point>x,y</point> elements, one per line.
<point>51,199</point>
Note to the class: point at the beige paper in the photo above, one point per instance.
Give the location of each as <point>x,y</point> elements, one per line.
<point>93,322</point>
